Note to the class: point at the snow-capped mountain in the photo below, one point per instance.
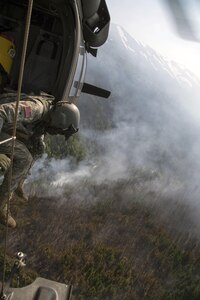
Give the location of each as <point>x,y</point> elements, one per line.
<point>154,109</point>
<point>139,55</point>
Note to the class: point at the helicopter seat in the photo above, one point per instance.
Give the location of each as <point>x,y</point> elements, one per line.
<point>42,63</point>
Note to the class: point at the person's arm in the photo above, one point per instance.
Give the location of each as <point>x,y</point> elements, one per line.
<point>28,112</point>
<point>38,146</point>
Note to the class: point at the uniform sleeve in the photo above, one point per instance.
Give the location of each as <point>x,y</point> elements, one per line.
<point>29,111</point>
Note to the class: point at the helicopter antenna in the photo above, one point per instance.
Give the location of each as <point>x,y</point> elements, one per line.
<point>21,72</point>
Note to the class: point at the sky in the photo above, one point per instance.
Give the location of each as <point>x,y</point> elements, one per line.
<point>151,23</point>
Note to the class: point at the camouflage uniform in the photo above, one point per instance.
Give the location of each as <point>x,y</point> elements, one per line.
<point>30,126</point>
<point>37,115</point>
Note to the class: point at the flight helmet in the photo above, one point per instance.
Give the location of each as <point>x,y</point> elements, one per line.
<point>7,54</point>
<point>64,119</point>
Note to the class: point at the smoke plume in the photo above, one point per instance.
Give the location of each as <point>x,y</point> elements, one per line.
<point>147,132</point>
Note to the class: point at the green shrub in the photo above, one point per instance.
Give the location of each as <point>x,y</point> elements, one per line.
<point>57,147</point>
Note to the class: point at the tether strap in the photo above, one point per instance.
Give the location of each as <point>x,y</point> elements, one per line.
<point>26,34</point>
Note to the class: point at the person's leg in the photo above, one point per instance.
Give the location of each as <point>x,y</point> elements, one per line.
<point>22,161</point>
<point>19,194</point>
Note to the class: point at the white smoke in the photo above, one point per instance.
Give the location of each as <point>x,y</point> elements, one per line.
<point>154,139</point>
<point>50,177</point>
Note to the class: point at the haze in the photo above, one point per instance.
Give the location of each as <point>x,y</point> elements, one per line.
<point>151,23</point>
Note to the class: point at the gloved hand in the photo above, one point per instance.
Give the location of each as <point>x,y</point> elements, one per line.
<point>4,162</point>
<point>39,146</point>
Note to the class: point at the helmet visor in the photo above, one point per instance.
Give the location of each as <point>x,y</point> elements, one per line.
<point>67,132</point>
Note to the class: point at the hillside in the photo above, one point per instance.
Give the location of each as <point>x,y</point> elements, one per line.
<point>115,246</point>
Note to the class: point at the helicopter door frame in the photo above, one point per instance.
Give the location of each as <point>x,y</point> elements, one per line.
<point>79,62</point>
<point>79,76</point>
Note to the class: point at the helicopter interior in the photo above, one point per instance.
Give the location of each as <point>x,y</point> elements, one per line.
<point>50,44</point>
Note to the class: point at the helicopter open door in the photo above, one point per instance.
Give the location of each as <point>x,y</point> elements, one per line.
<point>61,32</point>
<point>51,44</point>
